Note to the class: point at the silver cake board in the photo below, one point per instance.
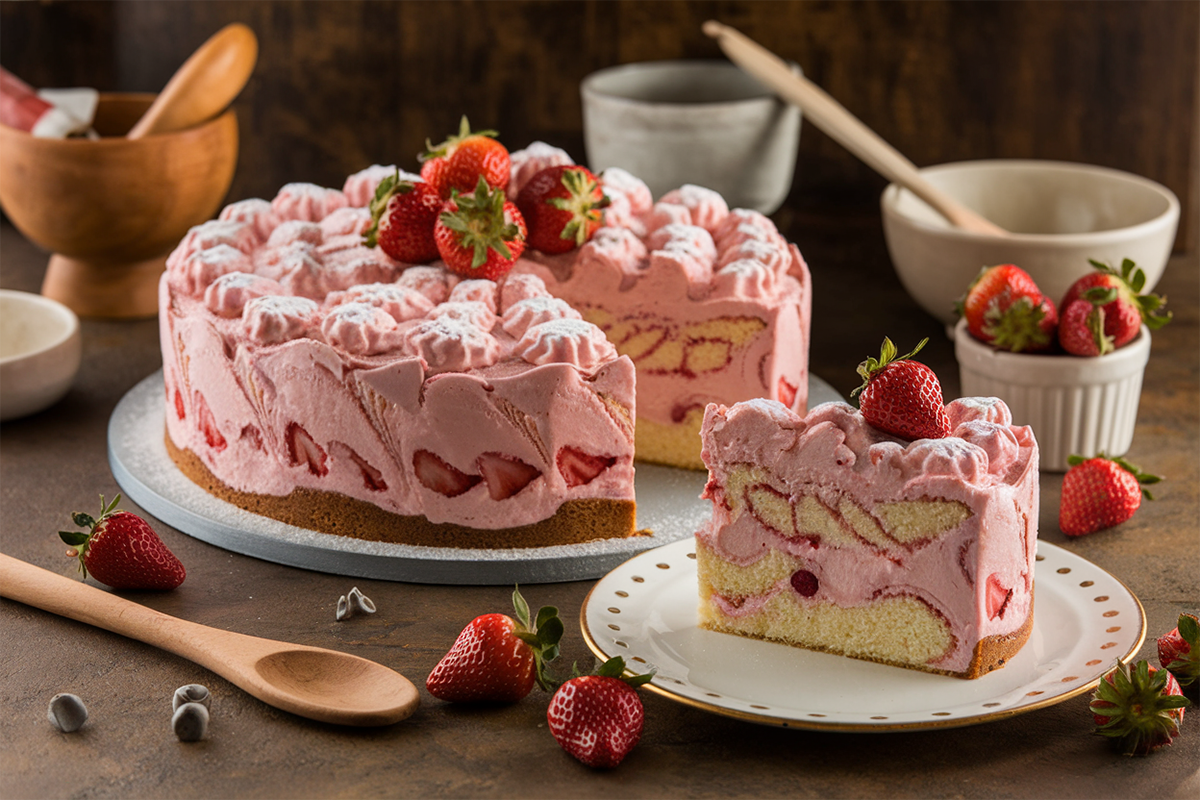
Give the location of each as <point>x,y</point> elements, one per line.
<point>668,505</point>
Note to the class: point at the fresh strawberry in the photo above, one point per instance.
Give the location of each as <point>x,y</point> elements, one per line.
<point>436,475</point>
<point>563,206</point>
<point>497,658</point>
<point>598,718</point>
<point>579,468</point>
<point>403,215</point>
<point>902,397</point>
<point>1004,308</point>
<point>1081,329</point>
<point>505,475</point>
<point>1099,493</point>
<point>1179,653</point>
<point>303,450</point>
<point>1139,710</point>
<point>433,172</point>
<point>481,234</point>
<point>121,550</point>
<point>469,156</point>
<point>1119,293</point>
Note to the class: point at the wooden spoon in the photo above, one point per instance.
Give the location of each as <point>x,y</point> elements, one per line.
<point>205,85</point>
<point>831,117</point>
<point>313,682</point>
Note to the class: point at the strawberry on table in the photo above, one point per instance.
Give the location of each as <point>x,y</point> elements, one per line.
<point>902,397</point>
<point>1004,308</point>
<point>498,659</point>
<point>403,215</point>
<point>121,550</point>
<point>1118,295</point>
<point>1081,331</point>
<point>481,234</point>
<point>563,207</point>
<point>1100,493</point>
<point>1139,710</point>
<point>469,156</point>
<point>1179,653</point>
<point>598,718</point>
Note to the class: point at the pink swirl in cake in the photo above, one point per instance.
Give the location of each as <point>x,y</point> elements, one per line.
<point>307,201</point>
<point>227,295</point>
<point>524,314</point>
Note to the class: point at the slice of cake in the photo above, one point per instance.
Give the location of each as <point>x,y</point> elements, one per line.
<point>831,535</point>
<point>314,380</point>
<point>712,305</point>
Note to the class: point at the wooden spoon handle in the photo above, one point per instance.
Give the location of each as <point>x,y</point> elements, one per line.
<point>76,600</point>
<point>842,126</point>
<point>205,85</point>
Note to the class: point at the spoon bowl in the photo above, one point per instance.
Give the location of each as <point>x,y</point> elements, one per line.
<point>312,682</point>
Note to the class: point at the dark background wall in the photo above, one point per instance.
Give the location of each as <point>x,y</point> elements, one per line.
<point>342,85</point>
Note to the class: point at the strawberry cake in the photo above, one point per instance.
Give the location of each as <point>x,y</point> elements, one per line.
<point>829,534</point>
<point>711,304</point>
<point>315,380</point>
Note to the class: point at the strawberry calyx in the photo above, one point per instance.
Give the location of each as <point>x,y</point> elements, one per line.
<point>1019,327</point>
<point>887,355</point>
<point>1131,282</point>
<point>1143,478</point>
<point>542,633</point>
<point>447,148</point>
<point>580,203</point>
<point>79,540</point>
<point>478,222</point>
<point>388,188</point>
<point>1137,709</point>
<point>1185,663</point>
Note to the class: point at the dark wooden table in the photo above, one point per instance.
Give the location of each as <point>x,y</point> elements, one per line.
<point>55,462</point>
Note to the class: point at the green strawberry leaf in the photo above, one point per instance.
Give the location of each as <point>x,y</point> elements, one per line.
<point>1189,629</point>
<point>73,538</point>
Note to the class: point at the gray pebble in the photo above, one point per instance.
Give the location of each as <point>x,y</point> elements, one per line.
<point>353,603</point>
<point>190,722</point>
<point>192,693</point>
<point>67,712</point>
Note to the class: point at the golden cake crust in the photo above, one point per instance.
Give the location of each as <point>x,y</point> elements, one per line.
<point>575,522</point>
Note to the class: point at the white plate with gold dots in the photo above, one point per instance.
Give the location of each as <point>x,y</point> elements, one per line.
<point>645,611</point>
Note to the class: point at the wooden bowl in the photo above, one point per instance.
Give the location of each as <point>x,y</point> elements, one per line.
<point>110,210</point>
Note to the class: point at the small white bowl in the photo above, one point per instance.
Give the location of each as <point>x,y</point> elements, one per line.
<point>1076,406</point>
<point>701,122</point>
<point>40,350</point>
<point>1059,215</point>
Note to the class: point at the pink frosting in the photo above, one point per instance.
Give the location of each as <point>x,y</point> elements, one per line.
<point>347,221</point>
<point>517,287</point>
<point>473,313</point>
<point>448,343</point>
<point>360,187</point>
<point>707,208</point>
<point>361,329</point>
<point>227,295</point>
<point>276,319</point>
<point>524,314</point>
<point>475,291</point>
<point>432,282</point>
<point>255,213</point>
<point>402,303</point>
<point>634,189</point>
<point>832,454</point>
<point>566,341</point>
<point>193,275</point>
<point>307,201</point>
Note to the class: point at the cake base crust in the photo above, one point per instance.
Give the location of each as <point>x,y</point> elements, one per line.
<point>990,653</point>
<point>575,522</point>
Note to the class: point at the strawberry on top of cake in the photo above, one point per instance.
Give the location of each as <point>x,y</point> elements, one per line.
<point>830,533</point>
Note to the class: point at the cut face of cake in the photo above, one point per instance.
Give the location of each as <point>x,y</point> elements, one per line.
<point>711,304</point>
<point>314,380</point>
<point>830,535</point>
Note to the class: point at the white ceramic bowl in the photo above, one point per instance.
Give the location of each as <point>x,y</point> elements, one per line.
<point>40,349</point>
<point>702,122</point>
<point>1059,215</point>
<point>1076,406</point>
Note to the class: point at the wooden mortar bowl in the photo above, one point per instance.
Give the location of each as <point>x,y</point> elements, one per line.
<point>110,210</point>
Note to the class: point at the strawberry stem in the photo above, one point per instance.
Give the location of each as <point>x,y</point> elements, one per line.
<point>887,355</point>
<point>78,539</point>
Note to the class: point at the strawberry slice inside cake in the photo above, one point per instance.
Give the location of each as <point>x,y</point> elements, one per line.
<point>831,535</point>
